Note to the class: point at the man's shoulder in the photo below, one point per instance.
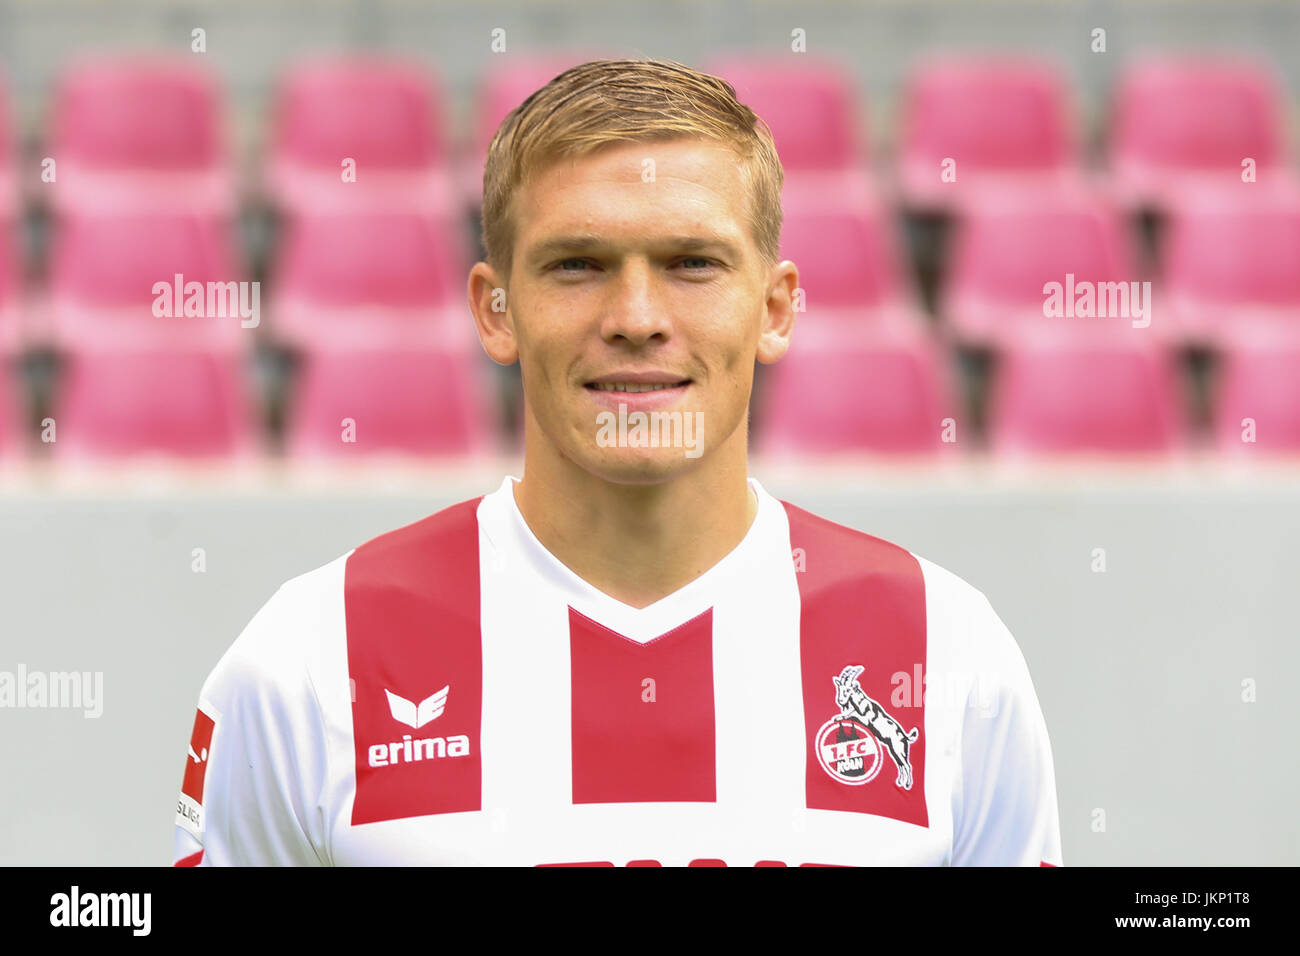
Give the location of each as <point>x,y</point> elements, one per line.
<point>957,610</point>
<point>390,559</point>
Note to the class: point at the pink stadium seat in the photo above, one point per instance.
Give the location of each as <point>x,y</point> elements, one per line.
<point>849,265</point>
<point>130,402</point>
<point>1179,121</point>
<point>10,291</point>
<point>355,273</point>
<point>881,391</point>
<point>9,197</point>
<point>817,122</point>
<point>998,119</point>
<point>811,106</point>
<point>1258,393</point>
<point>104,269</point>
<point>509,83</point>
<point>1085,392</point>
<point>1013,241</point>
<point>385,115</point>
<point>401,401</point>
<point>140,131</point>
<point>1232,257</point>
<point>10,413</point>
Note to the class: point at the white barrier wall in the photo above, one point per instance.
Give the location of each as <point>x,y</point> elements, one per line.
<point>1139,667</point>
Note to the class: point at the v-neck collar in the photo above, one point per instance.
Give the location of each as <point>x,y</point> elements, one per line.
<point>637,624</point>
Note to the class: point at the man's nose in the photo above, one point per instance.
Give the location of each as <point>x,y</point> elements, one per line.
<point>635,310</point>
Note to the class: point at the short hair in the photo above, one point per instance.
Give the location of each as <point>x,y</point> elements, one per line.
<point>630,100</point>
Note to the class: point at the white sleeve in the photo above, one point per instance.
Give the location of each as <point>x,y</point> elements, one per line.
<point>252,797</point>
<point>1009,814</point>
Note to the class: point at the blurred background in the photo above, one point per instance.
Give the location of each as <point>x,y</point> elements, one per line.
<point>1121,476</point>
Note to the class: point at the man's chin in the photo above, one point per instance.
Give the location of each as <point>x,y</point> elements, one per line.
<point>640,466</point>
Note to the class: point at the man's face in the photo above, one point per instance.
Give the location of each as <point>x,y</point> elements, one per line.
<point>635,267</point>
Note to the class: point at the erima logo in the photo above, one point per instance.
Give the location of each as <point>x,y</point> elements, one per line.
<point>416,716</point>
<point>406,712</point>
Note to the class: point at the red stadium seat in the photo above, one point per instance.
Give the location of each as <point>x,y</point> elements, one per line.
<point>116,403</point>
<point>105,270</point>
<point>384,115</point>
<point>11,332</point>
<point>817,122</point>
<point>364,274</point>
<point>1257,393</point>
<point>877,391</point>
<point>1013,241</point>
<point>997,119</point>
<point>398,401</point>
<point>10,413</point>
<point>140,132</point>
<point>849,265</point>
<point>1077,392</point>
<point>1180,121</point>
<point>509,83</point>
<point>811,106</point>
<point>9,195</point>
<point>1232,258</point>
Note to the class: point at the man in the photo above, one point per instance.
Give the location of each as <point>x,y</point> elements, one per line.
<point>634,654</point>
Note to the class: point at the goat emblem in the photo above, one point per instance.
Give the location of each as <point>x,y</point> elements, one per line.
<point>849,745</point>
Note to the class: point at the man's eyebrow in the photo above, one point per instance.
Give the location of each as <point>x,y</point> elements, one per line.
<point>558,245</point>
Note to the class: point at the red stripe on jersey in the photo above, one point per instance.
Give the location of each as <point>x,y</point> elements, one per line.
<point>412,607</point>
<point>635,741</point>
<point>862,605</point>
<point>194,859</point>
<point>1043,863</point>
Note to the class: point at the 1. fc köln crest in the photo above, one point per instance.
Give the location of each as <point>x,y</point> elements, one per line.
<point>854,745</point>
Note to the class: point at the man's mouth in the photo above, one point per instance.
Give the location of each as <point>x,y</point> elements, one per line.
<point>636,386</point>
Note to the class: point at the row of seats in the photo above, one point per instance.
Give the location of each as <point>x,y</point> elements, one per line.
<point>1230,258</point>
<point>127,131</point>
<point>886,390</point>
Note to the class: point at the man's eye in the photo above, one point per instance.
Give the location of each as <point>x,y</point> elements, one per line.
<point>700,263</point>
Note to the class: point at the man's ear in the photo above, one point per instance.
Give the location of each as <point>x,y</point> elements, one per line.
<point>778,312</point>
<point>487,301</point>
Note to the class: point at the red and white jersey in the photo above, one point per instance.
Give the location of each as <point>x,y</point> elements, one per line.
<point>450,693</point>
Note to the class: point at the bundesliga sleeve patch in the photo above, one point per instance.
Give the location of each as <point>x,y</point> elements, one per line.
<point>189,806</point>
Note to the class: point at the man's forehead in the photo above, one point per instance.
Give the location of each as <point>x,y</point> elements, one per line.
<point>700,195</point>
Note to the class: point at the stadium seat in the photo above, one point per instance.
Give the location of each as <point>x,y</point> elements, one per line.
<point>11,331</point>
<point>384,115</point>
<point>367,274</point>
<point>9,194</point>
<point>510,81</point>
<point>1011,242</point>
<point>998,119</point>
<point>850,268</point>
<point>10,412</point>
<point>1257,393</point>
<point>137,133</point>
<point>368,401</point>
<point>131,402</point>
<point>874,391</point>
<point>105,268</point>
<point>811,106</point>
<point>1181,121</point>
<point>1085,392</point>
<point>818,123</point>
<point>1232,258</point>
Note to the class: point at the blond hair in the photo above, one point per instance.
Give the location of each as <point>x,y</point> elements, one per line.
<point>635,100</point>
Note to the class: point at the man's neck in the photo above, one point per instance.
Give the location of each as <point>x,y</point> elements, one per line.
<point>637,543</point>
